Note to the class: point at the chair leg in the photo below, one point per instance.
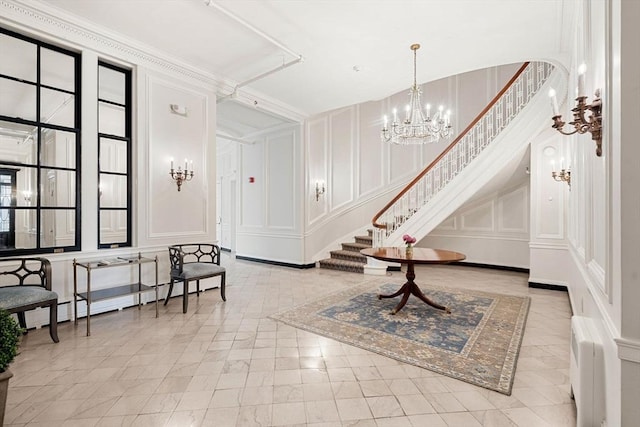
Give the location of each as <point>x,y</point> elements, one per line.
<point>222,284</point>
<point>53,321</point>
<point>22,322</point>
<point>185,296</point>
<point>166,300</point>
<point>198,288</point>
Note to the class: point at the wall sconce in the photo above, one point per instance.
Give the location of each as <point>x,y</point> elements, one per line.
<point>26,195</point>
<point>563,176</point>
<point>181,175</point>
<point>319,189</point>
<point>581,124</point>
<point>178,109</point>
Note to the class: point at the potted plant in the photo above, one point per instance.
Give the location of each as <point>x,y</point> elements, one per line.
<point>10,333</point>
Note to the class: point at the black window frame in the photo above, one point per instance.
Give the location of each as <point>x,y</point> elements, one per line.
<point>126,138</point>
<point>41,126</point>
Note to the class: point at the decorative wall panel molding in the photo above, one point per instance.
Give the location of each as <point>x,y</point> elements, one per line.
<point>513,212</point>
<point>341,166</point>
<point>171,135</point>
<point>281,184</point>
<point>316,160</point>
<point>479,218</point>
<point>500,216</point>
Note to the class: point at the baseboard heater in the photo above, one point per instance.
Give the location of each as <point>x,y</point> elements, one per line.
<point>586,372</point>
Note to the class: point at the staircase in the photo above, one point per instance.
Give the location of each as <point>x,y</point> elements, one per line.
<point>349,258</point>
<point>500,132</point>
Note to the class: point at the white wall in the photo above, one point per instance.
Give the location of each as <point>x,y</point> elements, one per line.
<point>603,207</point>
<point>162,215</point>
<point>493,230</point>
<point>267,178</point>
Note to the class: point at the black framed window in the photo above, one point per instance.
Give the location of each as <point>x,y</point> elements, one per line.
<point>39,146</point>
<point>114,156</point>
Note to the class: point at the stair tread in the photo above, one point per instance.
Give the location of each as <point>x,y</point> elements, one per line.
<point>342,264</point>
<point>356,245</point>
<point>351,253</point>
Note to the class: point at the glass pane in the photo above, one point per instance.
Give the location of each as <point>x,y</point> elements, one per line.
<point>113,191</point>
<point>57,108</point>
<point>111,85</point>
<point>111,119</point>
<point>26,186</point>
<point>113,155</point>
<point>17,99</point>
<point>25,229</point>
<point>58,188</point>
<point>23,58</point>
<point>18,143</point>
<point>58,148</point>
<point>57,228</point>
<point>113,227</point>
<point>57,69</point>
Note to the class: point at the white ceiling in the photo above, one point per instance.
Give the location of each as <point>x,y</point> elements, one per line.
<point>333,37</point>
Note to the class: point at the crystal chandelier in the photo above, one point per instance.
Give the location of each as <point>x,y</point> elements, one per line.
<point>418,127</point>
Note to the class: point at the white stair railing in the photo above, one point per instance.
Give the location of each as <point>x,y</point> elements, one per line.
<point>460,153</point>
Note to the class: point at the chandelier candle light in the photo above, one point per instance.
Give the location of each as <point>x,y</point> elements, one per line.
<point>180,175</point>
<point>418,127</point>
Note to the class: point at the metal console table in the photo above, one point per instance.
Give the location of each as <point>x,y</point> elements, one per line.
<point>90,295</point>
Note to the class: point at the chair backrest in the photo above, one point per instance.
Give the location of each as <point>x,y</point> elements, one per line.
<point>30,272</point>
<point>193,252</point>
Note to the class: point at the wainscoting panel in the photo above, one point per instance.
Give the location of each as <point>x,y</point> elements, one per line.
<point>281,184</point>
<point>513,212</point>
<point>252,193</point>
<point>340,187</point>
<point>548,195</point>
<point>370,148</point>
<point>493,230</point>
<point>317,134</point>
<point>479,218</point>
<point>178,137</point>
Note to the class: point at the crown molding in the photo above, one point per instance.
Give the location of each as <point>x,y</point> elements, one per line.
<point>50,22</point>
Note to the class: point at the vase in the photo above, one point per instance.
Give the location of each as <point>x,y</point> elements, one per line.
<point>409,252</point>
<point>4,387</point>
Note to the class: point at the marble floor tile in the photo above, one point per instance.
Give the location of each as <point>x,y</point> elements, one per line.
<point>228,364</point>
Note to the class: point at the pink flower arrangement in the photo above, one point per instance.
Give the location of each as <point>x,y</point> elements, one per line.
<point>408,240</point>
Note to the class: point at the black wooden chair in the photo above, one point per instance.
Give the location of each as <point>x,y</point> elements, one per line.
<point>194,261</point>
<point>28,287</point>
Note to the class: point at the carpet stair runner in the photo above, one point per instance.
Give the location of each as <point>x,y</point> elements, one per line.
<point>349,258</point>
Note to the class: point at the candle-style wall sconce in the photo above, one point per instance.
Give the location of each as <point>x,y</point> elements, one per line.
<point>181,175</point>
<point>581,122</point>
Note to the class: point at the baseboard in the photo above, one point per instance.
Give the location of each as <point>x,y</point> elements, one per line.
<point>493,267</point>
<point>548,287</point>
<point>394,268</point>
<point>225,249</point>
<point>278,263</point>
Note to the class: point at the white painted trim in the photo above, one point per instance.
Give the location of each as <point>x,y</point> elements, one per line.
<point>594,290</point>
<point>628,350</point>
<point>480,237</point>
<point>552,246</point>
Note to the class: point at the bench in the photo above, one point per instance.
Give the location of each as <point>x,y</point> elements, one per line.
<point>25,284</point>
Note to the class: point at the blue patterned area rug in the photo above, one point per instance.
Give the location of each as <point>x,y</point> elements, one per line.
<point>477,343</point>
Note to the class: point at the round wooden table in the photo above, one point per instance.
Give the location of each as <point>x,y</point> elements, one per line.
<point>419,256</point>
